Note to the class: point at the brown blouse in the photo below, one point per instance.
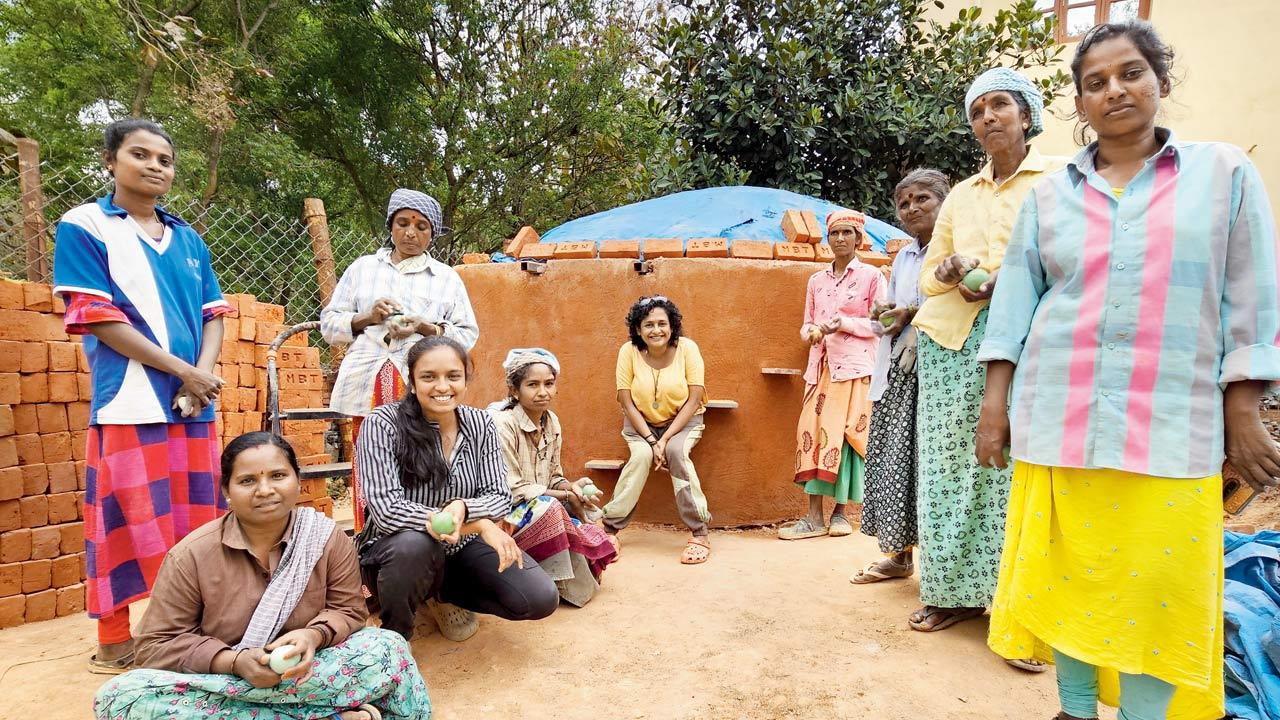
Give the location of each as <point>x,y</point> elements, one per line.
<point>210,584</point>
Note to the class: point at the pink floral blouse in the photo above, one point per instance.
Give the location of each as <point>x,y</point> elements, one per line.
<point>850,351</point>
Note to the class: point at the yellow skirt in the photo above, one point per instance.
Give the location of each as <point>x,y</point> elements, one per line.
<point>1119,570</point>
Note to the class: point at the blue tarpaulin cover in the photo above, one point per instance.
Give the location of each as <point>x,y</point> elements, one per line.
<point>1252,610</point>
<point>741,212</point>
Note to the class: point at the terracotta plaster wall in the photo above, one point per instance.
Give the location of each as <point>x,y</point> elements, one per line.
<point>744,314</point>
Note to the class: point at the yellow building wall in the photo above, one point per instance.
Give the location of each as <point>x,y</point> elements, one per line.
<point>1227,72</point>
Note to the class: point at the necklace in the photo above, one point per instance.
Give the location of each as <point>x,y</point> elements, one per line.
<point>656,374</point>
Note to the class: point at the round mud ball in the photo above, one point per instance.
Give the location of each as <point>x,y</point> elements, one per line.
<point>279,663</point>
<point>975,277</point>
<point>442,522</point>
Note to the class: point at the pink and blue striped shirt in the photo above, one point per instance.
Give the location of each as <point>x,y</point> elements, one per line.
<point>1128,316</point>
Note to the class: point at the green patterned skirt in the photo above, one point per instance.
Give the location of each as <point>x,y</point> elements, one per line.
<point>961,505</point>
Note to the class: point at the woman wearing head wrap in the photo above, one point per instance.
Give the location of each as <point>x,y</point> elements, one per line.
<point>889,505</point>
<point>831,438</point>
<point>387,301</point>
<point>961,505</point>
<point>570,549</point>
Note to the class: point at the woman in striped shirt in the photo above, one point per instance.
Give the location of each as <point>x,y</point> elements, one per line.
<point>426,455</point>
<point>1136,321</point>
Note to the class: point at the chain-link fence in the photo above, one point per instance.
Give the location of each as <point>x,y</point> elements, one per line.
<point>266,254</point>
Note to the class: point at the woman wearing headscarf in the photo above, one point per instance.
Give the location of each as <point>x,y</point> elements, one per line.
<point>961,505</point>
<point>889,502</point>
<point>549,517</point>
<point>386,302</point>
<point>831,437</point>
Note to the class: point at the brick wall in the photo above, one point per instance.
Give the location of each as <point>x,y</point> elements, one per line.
<point>44,415</point>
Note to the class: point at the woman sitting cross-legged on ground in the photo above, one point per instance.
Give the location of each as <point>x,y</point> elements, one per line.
<point>661,389</point>
<point>831,438</point>
<point>425,455</point>
<point>570,549</point>
<point>266,576</point>
<point>889,503</point>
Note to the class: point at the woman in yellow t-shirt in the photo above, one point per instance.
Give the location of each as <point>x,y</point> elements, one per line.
<point>663,395</point>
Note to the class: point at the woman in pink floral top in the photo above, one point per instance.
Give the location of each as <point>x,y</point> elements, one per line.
<point>831,439</point>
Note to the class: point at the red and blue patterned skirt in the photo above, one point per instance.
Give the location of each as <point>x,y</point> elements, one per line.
<point>147,487</point>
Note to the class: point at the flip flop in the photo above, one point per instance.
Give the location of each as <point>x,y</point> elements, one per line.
<point>886,569</point>
<point>952,616</point>
<point>1028,665</point>
<point>840,526</point>
<point>374,713</point>
<point>120,665</point>
<point>695,552</point>
<point>800,530</point>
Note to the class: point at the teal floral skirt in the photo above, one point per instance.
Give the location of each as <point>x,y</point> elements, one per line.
<point>373,666</point>
<point>960,505</point>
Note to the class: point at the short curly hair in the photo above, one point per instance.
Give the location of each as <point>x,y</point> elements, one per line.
<point>641,309</point>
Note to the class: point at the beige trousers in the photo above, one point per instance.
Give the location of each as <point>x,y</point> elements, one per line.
<point>691,504</point>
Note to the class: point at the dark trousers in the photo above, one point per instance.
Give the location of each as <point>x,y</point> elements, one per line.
<point>404,569</point>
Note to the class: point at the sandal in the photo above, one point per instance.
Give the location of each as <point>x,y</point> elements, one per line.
<point>885,569</point>
<point>696,552</point>
<point>455,623</point>
<point>1029,665</point>
<point>950,616</point>
<point>840,526</point>
<point>801,529</point>
<point>122,664</point>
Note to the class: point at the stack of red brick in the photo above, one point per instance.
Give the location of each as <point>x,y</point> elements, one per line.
<point>243,404</point>
<point>44,411</point>
<point>44,415</point>
<point>801,230</point>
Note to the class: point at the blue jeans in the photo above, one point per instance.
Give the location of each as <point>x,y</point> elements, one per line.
<point>1142,697</point>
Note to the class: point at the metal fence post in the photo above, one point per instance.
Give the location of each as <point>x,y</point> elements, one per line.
<point>321,249</point>
<point>33,227</point>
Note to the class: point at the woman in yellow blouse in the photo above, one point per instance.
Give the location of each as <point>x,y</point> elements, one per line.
<point>663,395</point>
<point>961,505</point>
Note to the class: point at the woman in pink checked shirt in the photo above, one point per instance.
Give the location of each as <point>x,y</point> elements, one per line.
<point>831,440</point>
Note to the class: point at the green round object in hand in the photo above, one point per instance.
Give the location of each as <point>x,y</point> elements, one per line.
<point>886,321</point>
<point>975,278</point>
<point>279,663</point>
<point>442,522</point>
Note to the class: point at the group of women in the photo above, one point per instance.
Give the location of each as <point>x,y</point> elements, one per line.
<point>1048,436</point>
<point>1049,431</point>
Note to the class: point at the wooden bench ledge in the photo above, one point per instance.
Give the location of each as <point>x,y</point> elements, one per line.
<point>781,371</point>
<point>605,464</point>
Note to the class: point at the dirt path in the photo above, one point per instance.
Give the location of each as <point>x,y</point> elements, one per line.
<point>765,630</point>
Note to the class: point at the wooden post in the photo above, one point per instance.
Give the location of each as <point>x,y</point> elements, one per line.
<point>326,275</point>
<point>33,227</point>
<point>321,250</point>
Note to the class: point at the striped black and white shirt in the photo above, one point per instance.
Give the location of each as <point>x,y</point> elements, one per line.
<point>477,475</point>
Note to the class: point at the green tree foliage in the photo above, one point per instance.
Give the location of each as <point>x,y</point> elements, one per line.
<point>835,98</point>
<point>510,112</point>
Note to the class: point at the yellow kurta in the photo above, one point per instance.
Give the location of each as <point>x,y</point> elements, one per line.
<point>1118,570</point>
<point>976,221</point>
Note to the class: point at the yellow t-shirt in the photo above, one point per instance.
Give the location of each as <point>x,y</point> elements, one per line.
<point>659,394</point>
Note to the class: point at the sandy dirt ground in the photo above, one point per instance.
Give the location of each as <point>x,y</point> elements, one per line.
<point>766,629</point>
